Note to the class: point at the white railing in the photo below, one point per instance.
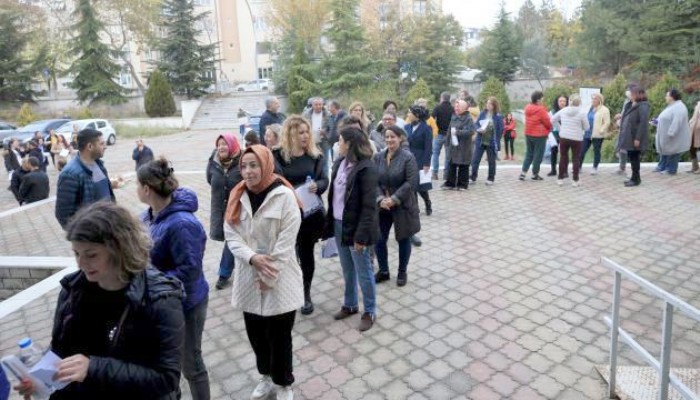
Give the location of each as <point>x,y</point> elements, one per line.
<point>663,366</point>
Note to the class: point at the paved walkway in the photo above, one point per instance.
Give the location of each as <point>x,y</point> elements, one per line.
<point>505,298</point>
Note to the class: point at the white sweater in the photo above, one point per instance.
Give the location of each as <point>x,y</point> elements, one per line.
<point>574,123</point>
<point>273,229</point>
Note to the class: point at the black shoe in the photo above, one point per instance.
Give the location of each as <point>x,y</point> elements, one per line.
<point>552,173</point>
<point>428,211</point>
<point>522,177</point>
<point>472,178</point>
<point>307,308</point>
<point>223,283</point>
<point>445,186</point>
<point>415,240</point>
<point>631,183</point>
<point>401,279</point>
<point>428,207</point>
<point>536,178</point>
<point>380,277</point>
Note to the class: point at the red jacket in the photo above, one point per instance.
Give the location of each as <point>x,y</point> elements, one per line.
<point>510,127</point>
<point>537,122</point>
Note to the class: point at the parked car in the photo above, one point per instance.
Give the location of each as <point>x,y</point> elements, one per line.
<point>260,84</point>
<point>101,125</point>
<point>26,133</point>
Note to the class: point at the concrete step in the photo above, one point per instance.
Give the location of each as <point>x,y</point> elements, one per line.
<point>222,112</point>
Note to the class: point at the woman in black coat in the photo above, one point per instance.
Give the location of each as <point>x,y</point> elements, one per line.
<point>634,132</point>
<point>420,142</point>
<point>223,174</point>
<point>297,159</point>
<point>352,218</point>
<point>398,205</point>
<point>119,325</point>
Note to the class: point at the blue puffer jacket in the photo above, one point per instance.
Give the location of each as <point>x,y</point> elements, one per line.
<point>179,241</point>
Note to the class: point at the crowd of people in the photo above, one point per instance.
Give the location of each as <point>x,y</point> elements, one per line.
<point>130,322</point>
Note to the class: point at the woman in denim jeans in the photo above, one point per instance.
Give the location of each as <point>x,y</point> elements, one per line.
<point>353,220</point>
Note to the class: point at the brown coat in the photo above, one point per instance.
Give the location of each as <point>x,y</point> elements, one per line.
<point>695,127</point>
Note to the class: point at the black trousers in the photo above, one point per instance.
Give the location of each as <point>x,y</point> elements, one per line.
<point>271,339</point>
<point>306,241</point>
<point>458,175</point>
<point>634,157</point>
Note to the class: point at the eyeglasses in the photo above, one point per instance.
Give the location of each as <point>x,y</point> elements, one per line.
<point>388,119</point>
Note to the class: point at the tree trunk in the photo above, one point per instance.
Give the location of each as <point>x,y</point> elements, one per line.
<point>134,75</point>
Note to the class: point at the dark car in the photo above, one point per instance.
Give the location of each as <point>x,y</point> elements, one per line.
<point>26,133</point>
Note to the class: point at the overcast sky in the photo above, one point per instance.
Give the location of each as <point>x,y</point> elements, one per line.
<point>483,13</point>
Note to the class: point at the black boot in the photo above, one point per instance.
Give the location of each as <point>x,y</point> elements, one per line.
<point>308,306</point>
<point>428,207</point>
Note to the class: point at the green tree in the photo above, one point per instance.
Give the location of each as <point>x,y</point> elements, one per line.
<point>185,62</point>
<point>420,90</point>
<point>529,21</point>
<point>93,67</point>
<point>614,93</point>
<point>300,80</point>
<point>431,51</point>
<point>499,54</point>
<point>657,93</point>
<point>16,72</point>
<point>26,115</point>
<point>347,65</point>
<point>159,100</point>
<point>535,58</point>
<point>494,87</point>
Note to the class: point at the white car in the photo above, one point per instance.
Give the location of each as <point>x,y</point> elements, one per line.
<point>260,84</point>
<point>102,125</point>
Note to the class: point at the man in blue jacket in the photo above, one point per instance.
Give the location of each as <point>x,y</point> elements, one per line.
<point>270,116</point>
<point>84,180</point>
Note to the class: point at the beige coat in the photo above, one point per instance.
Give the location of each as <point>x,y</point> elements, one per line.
<point>273,231</point>
<point>695,127</point>
<point>601,123</point>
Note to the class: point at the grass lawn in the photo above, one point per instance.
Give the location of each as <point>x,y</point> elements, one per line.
<point>133,132</point>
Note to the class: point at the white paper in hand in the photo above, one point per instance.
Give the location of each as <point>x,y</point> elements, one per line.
<point>424,177</point>
<point>311,202</point>
<point>455,141</point>
<point>46,369</point>
<point>483,124</point>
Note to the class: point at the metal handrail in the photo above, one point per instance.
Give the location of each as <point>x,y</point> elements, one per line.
<point>671,302</point>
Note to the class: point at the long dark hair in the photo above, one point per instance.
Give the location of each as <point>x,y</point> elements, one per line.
<point>638,94</point>
<point>555,104</point>
<point>358,144</point>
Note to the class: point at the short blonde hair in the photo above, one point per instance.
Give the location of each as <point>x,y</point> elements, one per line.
<point>575,100</point>
<point>364,118</point>
<point>287,137</point>
<point>599,96</point>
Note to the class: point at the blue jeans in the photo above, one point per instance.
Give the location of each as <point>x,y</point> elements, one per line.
<point>438,143</point>
<point>669,163</point>
<point>227,263</point>
<point>386,219</point>
<point>490,156</point>
<point>597,144</point>
<point>357,268</point>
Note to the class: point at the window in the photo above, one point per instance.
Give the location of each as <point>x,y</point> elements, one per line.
<point>125,78</point>
<point>101,124</point>
<point>202,2</point>
<point>420,7</point>
<point>265,73</point>
<point>91,125</point>
<point>208,75</point>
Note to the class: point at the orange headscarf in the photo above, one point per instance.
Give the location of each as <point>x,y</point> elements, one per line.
<point>268,177</point>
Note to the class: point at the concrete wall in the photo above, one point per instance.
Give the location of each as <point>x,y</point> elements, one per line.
<point>518,90</point>
<point>15,279</point>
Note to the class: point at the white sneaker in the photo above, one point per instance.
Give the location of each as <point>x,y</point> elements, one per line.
<point>594,171</point>
<point>489,183</point>
<point>263,389</point>
<point>574,184</point>
<point>285,393</point>
<point>560,182</point>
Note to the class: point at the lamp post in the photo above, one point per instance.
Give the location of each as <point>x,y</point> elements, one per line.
<point>255,43</point>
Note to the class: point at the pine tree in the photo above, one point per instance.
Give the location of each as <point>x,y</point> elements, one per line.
<point>614,93</point>
<point>420,90</point>
<point>184,60</point>
<point>15,72</point>
<point>499,55</point>
<point>347,65</point>
<point>93,67</point>
<point>494,87</point>
<point>159,100</point>
<point>300,80</point>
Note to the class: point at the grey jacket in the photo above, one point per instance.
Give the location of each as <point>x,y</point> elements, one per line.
<point>399,181</point>
<point>635,126</point>
<point>673,131</point>
<point>464,130</point>
<point>320,138</point>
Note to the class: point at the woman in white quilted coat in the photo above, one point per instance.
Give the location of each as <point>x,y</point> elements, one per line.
<point>262,221</point>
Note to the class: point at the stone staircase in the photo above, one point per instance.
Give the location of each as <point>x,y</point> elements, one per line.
<point>221,112</point>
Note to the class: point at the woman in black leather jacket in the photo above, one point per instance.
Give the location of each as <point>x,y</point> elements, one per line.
<point>119,324</point>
